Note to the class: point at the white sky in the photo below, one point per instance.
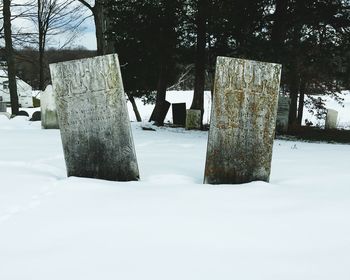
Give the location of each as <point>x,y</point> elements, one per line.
<point>85,38</point>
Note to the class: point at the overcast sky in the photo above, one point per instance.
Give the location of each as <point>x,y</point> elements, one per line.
<point>85,38</point>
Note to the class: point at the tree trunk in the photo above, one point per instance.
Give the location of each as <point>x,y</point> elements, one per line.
<point>41,67</point>
<point>167,43</point>
<point>294,84</point>
<point>101,24</point>
<point>99,27</point>
<point>161,104</point>
<point>41,35</point>
<point>278,33</point>
<point>11,66</point>
<point>134,107</point>
<point>198,95</point>
<point>302,92</point>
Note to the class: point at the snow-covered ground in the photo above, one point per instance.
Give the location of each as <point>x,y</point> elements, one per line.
<point>169,225</point>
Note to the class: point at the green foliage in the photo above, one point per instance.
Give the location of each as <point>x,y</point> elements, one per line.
<point>145,33</point>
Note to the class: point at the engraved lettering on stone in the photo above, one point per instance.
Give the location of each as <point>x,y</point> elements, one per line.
<point>242,121</point>
<point>95,126</point>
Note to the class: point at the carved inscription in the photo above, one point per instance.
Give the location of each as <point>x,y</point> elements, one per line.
<point>242,121</point>
<point>93,118</point>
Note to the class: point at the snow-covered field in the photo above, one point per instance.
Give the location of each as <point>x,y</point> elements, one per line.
<point>169,225</point>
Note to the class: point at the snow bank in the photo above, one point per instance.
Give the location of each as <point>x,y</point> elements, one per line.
<point>169,225</point>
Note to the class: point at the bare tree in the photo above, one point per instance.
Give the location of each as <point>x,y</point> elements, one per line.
<point>11,67</point>
<point>55,17</point>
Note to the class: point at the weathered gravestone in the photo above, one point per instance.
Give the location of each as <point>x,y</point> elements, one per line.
<point>179,113</point>
<point>331,119</point>
<point>243,120</point>
<point>93,119</point>
<point>193,119</point>
<point>3,107</point>
<point>49,119</point>
<point>282,114</point>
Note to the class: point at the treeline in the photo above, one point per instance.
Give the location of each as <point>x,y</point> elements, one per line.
<point>167,44</point>
<point>158,42</point>
<point>27,63</point>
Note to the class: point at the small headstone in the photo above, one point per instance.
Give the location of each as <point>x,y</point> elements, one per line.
<point>282,114</point>
<point>243,121</point>
<point>2,105</point>
<point>93,118</point>
<point>331,119</point>
<point>179,113</point>
<point>193,119</point>
<point>49,119</point>
<point>36,116</point>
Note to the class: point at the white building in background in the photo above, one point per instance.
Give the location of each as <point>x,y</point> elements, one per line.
<point>24,90</point>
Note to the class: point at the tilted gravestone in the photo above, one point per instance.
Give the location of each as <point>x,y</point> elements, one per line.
<point>93,119</point>
<point>193,119</point>
<point>282,114</point>
<point>243,120</point>
<point>331,119</point>
<point>49,119</point>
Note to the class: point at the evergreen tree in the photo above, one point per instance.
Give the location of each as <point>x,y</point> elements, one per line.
<point>307,38</point>
<point>145,36</point>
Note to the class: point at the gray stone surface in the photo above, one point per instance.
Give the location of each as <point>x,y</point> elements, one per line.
<point>282,114</point>
<point>2,105</point>
<point>193,119</point>
<point>331,119</point>
<point>93,119</point>
<point>243,120</point>
<point>49,118</point>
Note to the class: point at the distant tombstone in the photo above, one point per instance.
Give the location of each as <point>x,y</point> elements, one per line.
<point>49,119</point>
<point>331,119</point>
<point>193,119</point>
<point>243,120</point>
<point>93,118</point>
<point>179,113</point>
<point>282,114</point>
<point>2,105</point>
